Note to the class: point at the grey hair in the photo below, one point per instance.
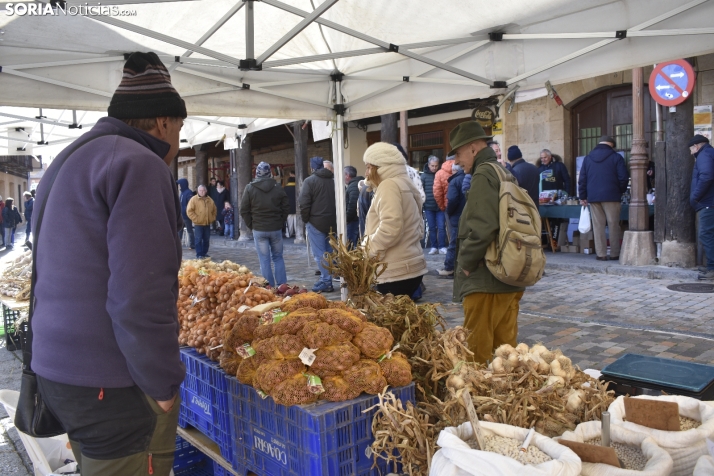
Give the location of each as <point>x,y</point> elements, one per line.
<point>547,152</point>
<point>433,158</point>
<point>202,186</point>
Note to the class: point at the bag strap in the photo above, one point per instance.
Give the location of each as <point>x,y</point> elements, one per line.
<point>48,181</point>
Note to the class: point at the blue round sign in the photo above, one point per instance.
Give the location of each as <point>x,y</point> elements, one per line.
<point>671,83</point>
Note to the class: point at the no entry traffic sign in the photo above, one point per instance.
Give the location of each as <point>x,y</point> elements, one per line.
<point>672,82</point>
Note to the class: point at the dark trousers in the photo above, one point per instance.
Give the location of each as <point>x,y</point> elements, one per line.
<point>203,239</point>
<point>189,230</point>
<point>114,431</point>
<point>353,233</point>
<point>398,288</point>
<point>706,234</point>
<point>451,250</point>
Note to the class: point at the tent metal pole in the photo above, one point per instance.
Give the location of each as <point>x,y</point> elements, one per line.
<point>9,122</point>
<point>667,15</point>
<point>32,119</point>
<point>217,26</point>
<point>338,156</point>
<point>296,30</point>
<point>165,38</point>
<point>446,67</point>
<point>677,32</point>
<point>249,30</point>
<point>213,121</point>
<point>412,79</point>
<point>56,82</point>
<point>65,63</point>
<point>209,91</point>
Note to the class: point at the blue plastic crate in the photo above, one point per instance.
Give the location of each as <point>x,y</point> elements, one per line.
<point>218,470</point>
<point>186,455</point>
<point>322,439</point>
<point>204,468</point>
<point>205,402</point>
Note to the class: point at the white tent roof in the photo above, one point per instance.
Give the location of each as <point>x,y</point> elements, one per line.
<point>394,54</point>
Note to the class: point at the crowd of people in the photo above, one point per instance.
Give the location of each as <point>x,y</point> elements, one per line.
<point>10,218</point>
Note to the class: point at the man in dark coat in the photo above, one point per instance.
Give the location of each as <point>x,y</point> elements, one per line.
<point>291,222</point>
<point>219,195</point>
<point>351,199</point>
<point>363,203</point>
<point>29,206</point>
<point>434,216</point>
<point>603,180</point>
<point>525,172</point>
<point>553,173</point>
<point>317,209</point>
<point>184,197</point>
<point>455,202</point>
<point>264,209</point>
<point>701,198</point>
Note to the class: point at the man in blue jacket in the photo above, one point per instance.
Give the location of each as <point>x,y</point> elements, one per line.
<point>29,206</point>
<point>603,180</point>
<point>186,194</point>
<point>702,198</point>
<point>105,336</point>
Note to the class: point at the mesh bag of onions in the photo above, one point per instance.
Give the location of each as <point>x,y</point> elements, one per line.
<point>272,372</point>
<point>335,358</point>
<point>342,319</point>
<point>293,391</point>
<point>295,321</point>
<point>245,326</point>
<point>313,300</point>
<point>317,335</point>
<point>229,362</point>
<point>341,305</point>
<point>247,368</point>
<point>373,341</point>
<point>337,389</point>
<point>283,346</point>
<point>396,370</point>
<point>366,376</point>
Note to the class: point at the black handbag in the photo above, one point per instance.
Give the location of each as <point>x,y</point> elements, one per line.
<point>32,416</point>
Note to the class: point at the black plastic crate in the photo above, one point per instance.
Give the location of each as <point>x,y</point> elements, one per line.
<point>15,337</point>
<point>634,374</point>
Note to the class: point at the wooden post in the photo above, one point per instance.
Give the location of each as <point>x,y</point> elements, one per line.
<point>201,166</point>
<point>245,174</point>
<point>639,217</point>
<point>389,128</point>
<point>302,171</point>
<point>404,130</point>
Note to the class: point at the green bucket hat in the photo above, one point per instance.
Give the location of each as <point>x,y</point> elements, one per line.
<point>465,133</point>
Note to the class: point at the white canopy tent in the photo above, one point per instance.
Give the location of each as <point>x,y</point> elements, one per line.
<point>340,59</point>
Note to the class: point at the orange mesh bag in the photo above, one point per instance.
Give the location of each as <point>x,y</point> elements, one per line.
<point>284,346</point>
<point>324,373</point>
<point>246,325</point>
<point>272,372</point>
<point>337,389</point>
<point>264,331</point>
<point>374,341</point>
<point>345,307</point>
<point>317,335</point>
<point>342,319</point>
<point>366,376</point>
<point>335,357</point>
<point>229,362</point>
<point>313,300</point>
<point>247,368</point>
<point>293,391</point>
<point>397,370</point>
<point>294,322</point>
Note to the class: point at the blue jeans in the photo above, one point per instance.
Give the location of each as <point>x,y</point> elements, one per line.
<point>320,244</point>
<point>228,230</point>
<point>203,239</point>
<point>706,234</point>
<point>8,236</point>
<point>270,246</point>
<point>435,220</point>
<point>189,230</point>
<point>451,250</point>
<point>353,234</point>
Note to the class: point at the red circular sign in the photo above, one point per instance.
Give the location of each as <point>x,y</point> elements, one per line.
<point>671,83</point>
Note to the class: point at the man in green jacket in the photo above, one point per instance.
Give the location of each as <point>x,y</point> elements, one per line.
<point>490,306</point>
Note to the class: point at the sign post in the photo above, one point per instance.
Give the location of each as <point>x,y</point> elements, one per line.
<point>672,82</point>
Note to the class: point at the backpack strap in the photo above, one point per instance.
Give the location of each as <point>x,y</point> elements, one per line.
<point>503,174</point>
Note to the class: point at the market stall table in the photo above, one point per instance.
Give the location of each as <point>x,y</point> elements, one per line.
<point>573,211</point>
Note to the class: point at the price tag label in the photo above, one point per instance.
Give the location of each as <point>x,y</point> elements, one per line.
<point>307,356</point>
<point>245,351</point>
<point>314,384</point>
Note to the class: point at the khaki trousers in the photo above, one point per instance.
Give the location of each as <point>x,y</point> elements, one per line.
<point>601,213</point>
<point>492,320</point>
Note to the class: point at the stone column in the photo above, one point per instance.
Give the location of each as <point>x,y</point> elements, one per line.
<point>201,166</point>
<point>244,176</point>
<point>389,128</point>
<point>302,171</point>
<point>638,247</point>
<point>404,131</point>
<point>679,247</point>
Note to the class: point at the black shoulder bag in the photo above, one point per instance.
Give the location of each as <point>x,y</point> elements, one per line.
<point>32,416</point>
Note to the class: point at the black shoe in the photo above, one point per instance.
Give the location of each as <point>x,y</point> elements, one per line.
<point>601,258</point>
<point>614,258</point>
<point>318,273</point>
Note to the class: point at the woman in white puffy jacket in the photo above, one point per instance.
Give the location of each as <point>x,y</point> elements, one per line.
<point>394,224</point>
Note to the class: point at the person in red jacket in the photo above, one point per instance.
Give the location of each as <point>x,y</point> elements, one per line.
<point>441,188</point>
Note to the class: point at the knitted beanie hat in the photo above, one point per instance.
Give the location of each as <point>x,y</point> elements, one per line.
<point>145,90</point>
<point>383,153</point>
<point>316,163</point>
<point>514,153</point>
<point>263,170</point>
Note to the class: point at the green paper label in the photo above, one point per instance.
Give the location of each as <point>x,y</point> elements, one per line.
<point>314,384</point>
<point>245,351</point>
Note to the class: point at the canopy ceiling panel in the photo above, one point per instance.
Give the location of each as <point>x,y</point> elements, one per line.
<point>394,54</point>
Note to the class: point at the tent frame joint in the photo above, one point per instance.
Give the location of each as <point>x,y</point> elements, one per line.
<point>495,36</point>
<point>243,126</point>
<point>338,76</point>
<point>621,34</point>
<point>393,48</point>
<point>339,109</point>
<point>405,79</point>
<point>499,85</point>
<point>250,64</point>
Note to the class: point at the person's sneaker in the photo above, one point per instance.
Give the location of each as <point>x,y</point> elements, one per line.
<point>442,251</point>
<point>446,272</point>
<point>433,251</point>
<point>702,269</point>
<point>706,275</point>
<point>322,287</point>
<point>318,273</point>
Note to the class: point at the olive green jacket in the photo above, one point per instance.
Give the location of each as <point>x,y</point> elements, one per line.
<point>478,227</point>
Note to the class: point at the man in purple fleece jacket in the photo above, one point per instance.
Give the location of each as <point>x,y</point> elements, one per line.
<point>105,325</point>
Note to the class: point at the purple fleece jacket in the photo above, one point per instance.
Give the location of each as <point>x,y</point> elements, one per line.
<point>108,257</point>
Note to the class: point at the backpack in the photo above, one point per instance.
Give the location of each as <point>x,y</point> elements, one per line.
<point>516,256</point>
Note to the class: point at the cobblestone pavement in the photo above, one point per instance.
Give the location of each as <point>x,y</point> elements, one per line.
<point>593,317</point>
